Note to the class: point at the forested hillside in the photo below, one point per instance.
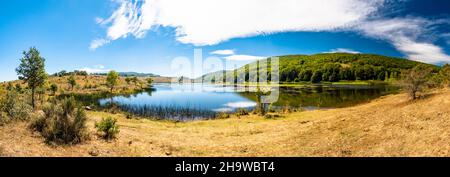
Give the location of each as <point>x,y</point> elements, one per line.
<point>330,67</point>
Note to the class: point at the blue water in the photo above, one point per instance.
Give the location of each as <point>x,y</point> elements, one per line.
<point>197,96</point>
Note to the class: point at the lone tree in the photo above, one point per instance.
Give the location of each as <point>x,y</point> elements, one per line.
<point>149,82</point>
<point>32,71</point>
<point>112,80</point>
<point>415,79</point>
<point>72,82</point>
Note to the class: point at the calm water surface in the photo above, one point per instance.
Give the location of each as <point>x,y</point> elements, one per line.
<point>228,98</point>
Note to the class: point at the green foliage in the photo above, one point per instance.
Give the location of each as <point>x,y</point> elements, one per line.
<point>72,81</point>
<point>112,79</point>
<point>445,75</point>
<point>108,127</point>
<point>331,67</point>
<point>54,88</point>
<point>241,112</point>
<point>63,122</point>
<point>16,106</point>
<point>222,115</point>
<point>32,70</point>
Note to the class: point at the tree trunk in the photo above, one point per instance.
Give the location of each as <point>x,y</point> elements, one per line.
<point>32,98</point>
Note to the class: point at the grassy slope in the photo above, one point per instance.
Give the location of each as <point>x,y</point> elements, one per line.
<point>388,126</point>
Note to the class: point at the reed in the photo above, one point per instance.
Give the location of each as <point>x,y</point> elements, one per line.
<point>168,112</point>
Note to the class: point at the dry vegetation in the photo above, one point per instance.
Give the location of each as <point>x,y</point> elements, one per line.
<point>388,126</point>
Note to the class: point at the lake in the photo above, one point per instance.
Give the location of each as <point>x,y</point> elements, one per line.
<point>198,101</point>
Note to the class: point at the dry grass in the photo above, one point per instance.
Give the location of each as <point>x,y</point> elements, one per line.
<point>92,84</point>
<point>389,126</point>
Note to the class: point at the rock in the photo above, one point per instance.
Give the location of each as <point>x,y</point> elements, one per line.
<point>168,153</point>
<point>94,153</point>
<point>88,108</point>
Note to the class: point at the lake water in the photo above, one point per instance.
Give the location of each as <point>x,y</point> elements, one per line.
<point>206,99</point>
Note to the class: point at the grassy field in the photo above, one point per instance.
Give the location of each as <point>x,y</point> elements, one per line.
<point>389,126</point>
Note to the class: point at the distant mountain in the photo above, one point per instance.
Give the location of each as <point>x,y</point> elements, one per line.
<point>330,67</point>
<point>131,74</point>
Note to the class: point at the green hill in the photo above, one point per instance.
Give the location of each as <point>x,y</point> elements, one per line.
<point>329,67</point>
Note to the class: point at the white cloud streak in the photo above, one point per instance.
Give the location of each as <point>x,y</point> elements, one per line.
<point>223,52</point>
<point>95,69</point>
<point>243,57</point>
<point>206,22</point>
<point>343,50</point>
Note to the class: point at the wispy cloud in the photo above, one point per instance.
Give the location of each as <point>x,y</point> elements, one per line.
<point>223,52</point>
<point>407,36</point>
<point>221,20</point>
<point>96,43</point>
<point>343,50</point>
<point>243,57</point>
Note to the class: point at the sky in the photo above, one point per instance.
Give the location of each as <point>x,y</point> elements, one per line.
<point>146,35</point>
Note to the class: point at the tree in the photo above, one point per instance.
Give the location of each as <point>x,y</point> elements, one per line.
<point>415,79</point>
<point>54,88</point>
<point>149,81</point>
<point>32,71</point>
<point>72,81</point>
<point>112,80</point>
<point>316,77</point>
<point>128,80</point>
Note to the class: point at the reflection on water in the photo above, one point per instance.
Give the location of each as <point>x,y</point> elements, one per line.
<point>186,98</point>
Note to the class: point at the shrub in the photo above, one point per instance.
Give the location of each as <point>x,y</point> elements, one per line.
<point>63,122</point>
<point>241,112</point>
<point>222,115</point>
<point>108,127</point>
<point>16,106</point>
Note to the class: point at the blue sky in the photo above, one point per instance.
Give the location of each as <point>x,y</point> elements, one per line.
<point>144,36</point>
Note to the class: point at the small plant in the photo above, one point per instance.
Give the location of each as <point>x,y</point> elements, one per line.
<point>54,88</point>
<point>241,112</point>
<point>222,115</point>
<point>108,127</point>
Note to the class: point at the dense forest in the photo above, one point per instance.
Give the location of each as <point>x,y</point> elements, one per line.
<point>327,67</point>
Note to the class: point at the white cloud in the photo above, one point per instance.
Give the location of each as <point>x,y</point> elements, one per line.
<point>95,69</point>
<point>96,43</point>
<point>243,57</point>
<point>405,35</point>
<point>343,50</point>
<point>240,104</point>
<point>206,22</point>
<point>223,52</point>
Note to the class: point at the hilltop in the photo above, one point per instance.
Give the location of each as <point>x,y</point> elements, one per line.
<point>328,67</point>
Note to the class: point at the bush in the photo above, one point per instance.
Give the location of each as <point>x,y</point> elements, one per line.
<point>222,115</point>
<point>63,122</point>
<point>16,106</point>
<point>108,127</point>
<point>241,112</point>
